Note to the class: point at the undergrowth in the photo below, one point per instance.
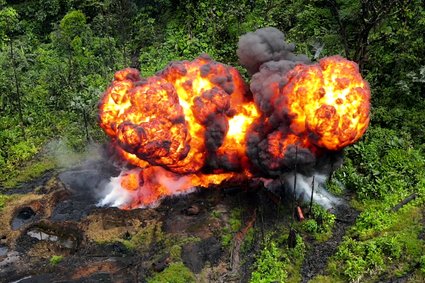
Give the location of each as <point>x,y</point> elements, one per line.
<point>320,225</point>
<point>235,224</point>
<point>276,262</point>
<point>382,169</point>
<point>174,273</point>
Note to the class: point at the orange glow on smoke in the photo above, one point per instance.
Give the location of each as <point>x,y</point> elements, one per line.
<point>160,122</point>
<point>329,101</point>
<point>172,124</point>
<point>130,181</point>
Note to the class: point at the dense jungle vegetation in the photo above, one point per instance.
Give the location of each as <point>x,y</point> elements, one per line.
<point>58,56</point>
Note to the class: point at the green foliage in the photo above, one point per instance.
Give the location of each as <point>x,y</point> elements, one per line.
<point>73,24</point>
<point>335,187</point>
<point>9,19</point>
<point>400,58</point>
<point>56,259</point>
<point>27,173</point>
<point>145,237</point>
<point>174,273</point>
<point>310,225</point>
<point>248,240</point>
<point>422,264</point>
<point>324,279</point>
<point>384,168</point>
<point>372,247</point>
<point>321,225</point>
<point>276,262</point>
<point>404,120</point>
<point>215,214</point>
<point>175,253</point>
<point>270,266</point>
<point>372,221</point>
<point>235,224</point>
<point>385,163</point>
<point>3,200</point>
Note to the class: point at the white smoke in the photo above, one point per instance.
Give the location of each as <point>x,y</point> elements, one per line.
<point>114,195</point>
<point>170,184</point>
<point>66,157</point>
<point>304,187</point>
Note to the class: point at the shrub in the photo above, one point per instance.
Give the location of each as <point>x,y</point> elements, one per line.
<point>174,273</point>
<point>270,266</point>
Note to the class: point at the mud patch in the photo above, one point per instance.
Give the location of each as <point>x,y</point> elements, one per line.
<point>196,255</point>
<point>316,259</point>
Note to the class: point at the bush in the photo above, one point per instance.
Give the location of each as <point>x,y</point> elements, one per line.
<point>384,163</point>
<point>321,225</point>
<point>270,266</point>
<point>174,273</point>
<point>385,245</point>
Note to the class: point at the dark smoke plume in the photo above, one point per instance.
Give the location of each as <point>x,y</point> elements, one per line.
<point>268,58</point>
<point>267,45</point>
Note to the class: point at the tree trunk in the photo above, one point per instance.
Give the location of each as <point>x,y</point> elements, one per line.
<point>18,92</point>
<point>86,123</point>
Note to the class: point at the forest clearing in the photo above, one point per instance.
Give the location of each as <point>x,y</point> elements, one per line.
<point>212,141</point>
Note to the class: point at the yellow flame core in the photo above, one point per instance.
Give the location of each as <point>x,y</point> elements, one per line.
<point>239,124</point>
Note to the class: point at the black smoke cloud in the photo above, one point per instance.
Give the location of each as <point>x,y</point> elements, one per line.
<point>267,45</point>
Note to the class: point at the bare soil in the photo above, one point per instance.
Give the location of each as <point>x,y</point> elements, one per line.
<point>318,254</point>
<point>57,216</point>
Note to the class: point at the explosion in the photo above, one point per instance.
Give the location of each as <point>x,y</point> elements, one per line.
<point>196,123</point>
<point>329,101</point>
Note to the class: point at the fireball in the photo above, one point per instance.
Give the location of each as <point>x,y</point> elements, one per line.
<point>196,124</point>
<point>328,101</point>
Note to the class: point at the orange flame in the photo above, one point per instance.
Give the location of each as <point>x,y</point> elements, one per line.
<point>193,116</point>
<point>329,101</point>
<point>161,122</point>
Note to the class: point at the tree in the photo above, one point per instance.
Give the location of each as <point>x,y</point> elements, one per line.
<point>9,19</point>
<point>356,20</point>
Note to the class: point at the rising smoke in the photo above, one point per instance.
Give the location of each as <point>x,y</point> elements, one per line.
<point>272,146</point>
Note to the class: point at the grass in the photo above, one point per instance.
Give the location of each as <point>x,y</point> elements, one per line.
<point>3,200</point>
<point>28,172</point>
<point>174,273</point>
<point>145,237</point>
<point>56,259</point>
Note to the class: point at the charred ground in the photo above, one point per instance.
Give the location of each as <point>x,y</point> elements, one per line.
<point>55,232</point>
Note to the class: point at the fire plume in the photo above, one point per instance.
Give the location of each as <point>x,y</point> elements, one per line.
<point>196,123</point>
<point>329,101</point>
<point>175,123</point>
